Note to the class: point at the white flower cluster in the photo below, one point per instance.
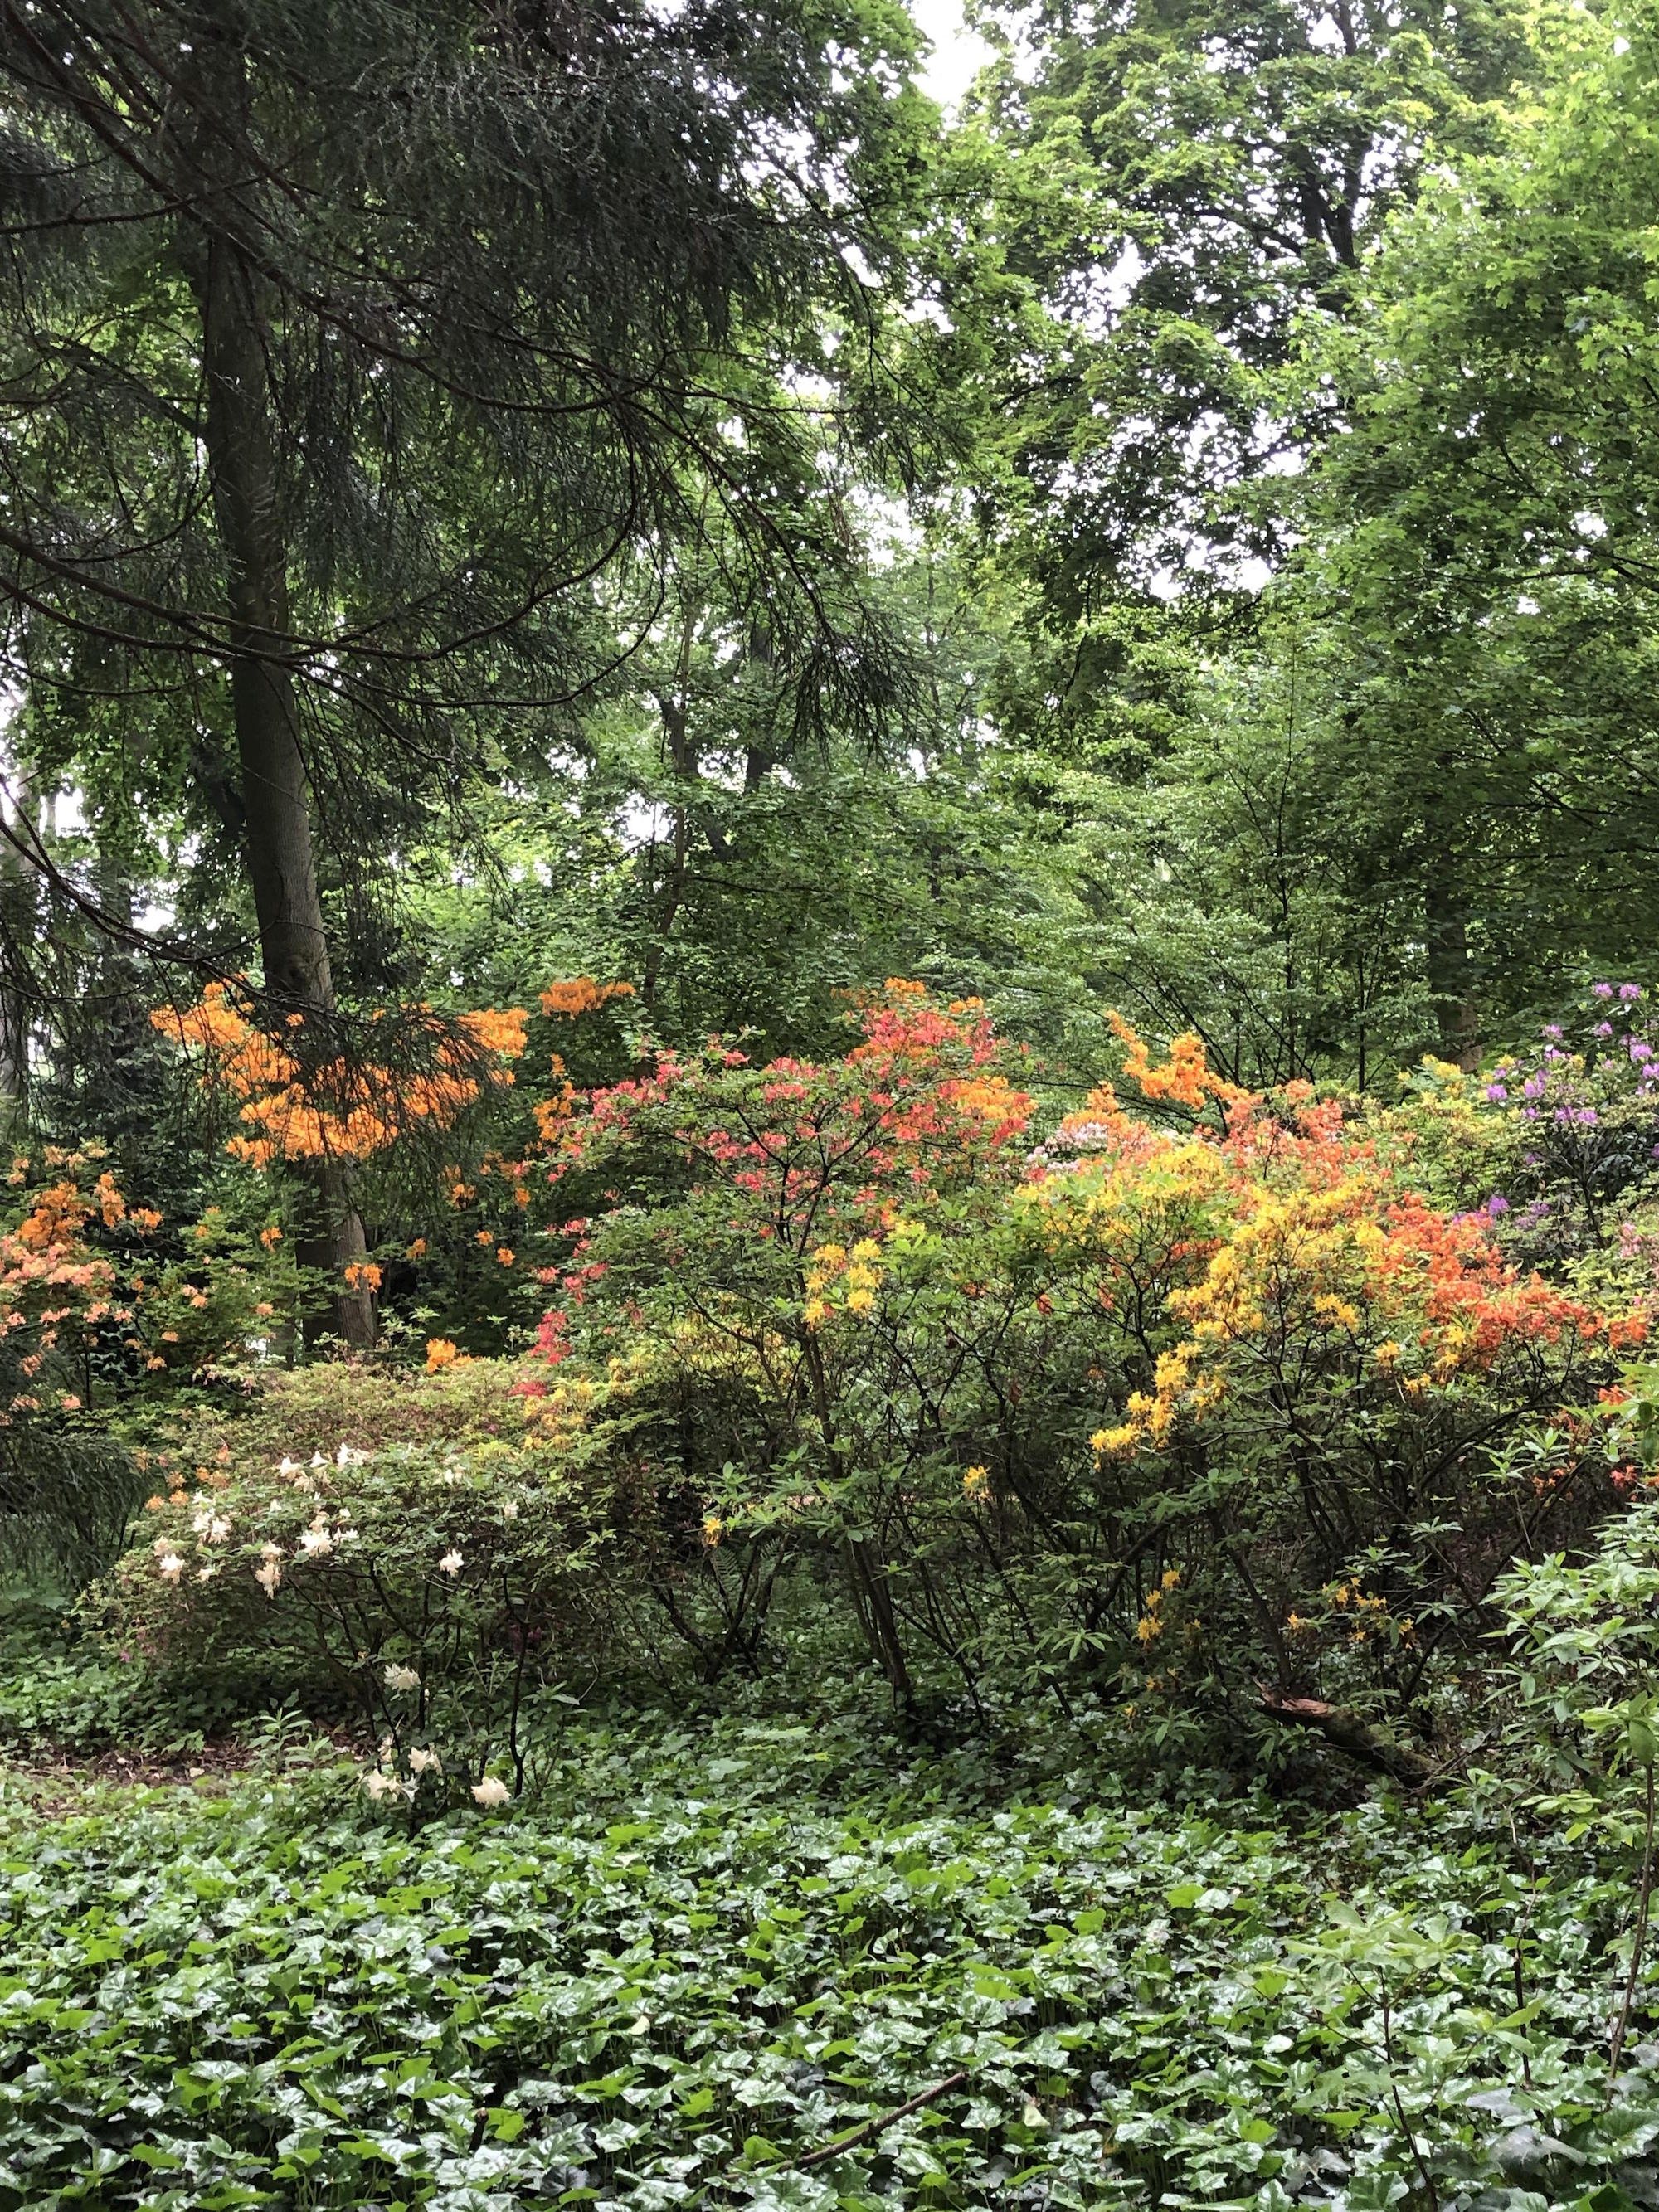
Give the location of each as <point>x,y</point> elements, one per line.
<point>383,1780</point>
<point>1075,1141</point>
<point>307,1477</point>
<point>316,1541</point>
<point>209,1526</point>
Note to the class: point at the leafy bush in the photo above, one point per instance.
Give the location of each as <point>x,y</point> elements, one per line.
<point>426,1585</point>
<point>1198,1399</point>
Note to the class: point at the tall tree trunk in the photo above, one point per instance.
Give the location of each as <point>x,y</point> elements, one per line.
<point>1451,973</point>
<point>242,455</point>
<point>675,709</point>
<point>19,916</point>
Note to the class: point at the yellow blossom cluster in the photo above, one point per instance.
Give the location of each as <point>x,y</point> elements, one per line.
<point>1151,1625</point>
<point>841,1280</point>
<point>1345,1270</point>
<point>557,1416</point>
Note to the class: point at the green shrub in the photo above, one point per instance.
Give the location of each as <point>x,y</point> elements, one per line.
<point>425,1586</point>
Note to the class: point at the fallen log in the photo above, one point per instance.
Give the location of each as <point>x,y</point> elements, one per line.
<point>1345,1730</point>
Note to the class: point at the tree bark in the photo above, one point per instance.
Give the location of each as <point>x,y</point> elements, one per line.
<point>874,1603</point>
<point>19,929</point>
<point>676,712</point>
<point>248,506</point>
<point>1451,976</point>
<point>1345,1730</point>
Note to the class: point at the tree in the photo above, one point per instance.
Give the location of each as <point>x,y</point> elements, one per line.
<point>1180,180</point>
<point>1480,543</point>
<point>353,348</point>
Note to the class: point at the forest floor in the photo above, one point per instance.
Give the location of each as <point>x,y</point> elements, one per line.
<point>713,1948</point>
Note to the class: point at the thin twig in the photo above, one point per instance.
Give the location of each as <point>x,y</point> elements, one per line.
<point>882,2122</point>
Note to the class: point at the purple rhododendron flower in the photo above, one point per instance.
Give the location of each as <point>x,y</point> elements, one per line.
<point>1630,990</point>
<point>1602,990</point>
<point>1603,1029</point>
<point>1497,1093</point>
<point>1533,1087</point>
<point>1553,1030</point>
<point>1497,1204</point>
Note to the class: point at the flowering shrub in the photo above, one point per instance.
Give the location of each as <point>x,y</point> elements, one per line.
<point>1197,1398</point>
<point>804,1200</point>
<point>329,1104</point>
<point>1322,1362</point>
<point>87,1322</point>
<point>1559,1145</point>
<point>416,1116</point>
<point>63,1286</point>
<point>428,1585</point>
<point>1199,1395</point>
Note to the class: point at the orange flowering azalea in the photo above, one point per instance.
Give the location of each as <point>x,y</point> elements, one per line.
<point>580,994</point>
<point>341,1109</point>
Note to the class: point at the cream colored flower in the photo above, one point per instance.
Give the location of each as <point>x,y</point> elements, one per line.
<point>424,1762</point>
<point>171,1566</point>
<point>315,1543</point>
<point>510,1509</point>
<point>270,1574</point>
<point>491,1791</point>
<point>401,1678</point>
<point>451,1563</point>
<point>287,1465</point>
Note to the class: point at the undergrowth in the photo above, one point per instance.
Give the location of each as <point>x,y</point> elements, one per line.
<point>716,1943</point>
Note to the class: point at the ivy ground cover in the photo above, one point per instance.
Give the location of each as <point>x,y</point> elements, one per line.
<point>710,1953</point>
